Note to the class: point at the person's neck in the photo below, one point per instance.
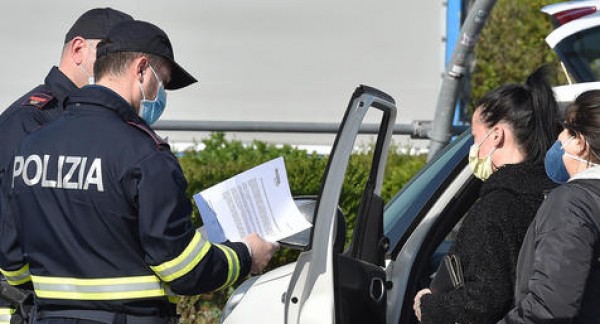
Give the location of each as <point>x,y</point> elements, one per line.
<point>508,155</point>
<point>71,72</point>
<point>118,86</point>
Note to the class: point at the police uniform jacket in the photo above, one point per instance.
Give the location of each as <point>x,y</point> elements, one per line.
<point>103,217</point>
<point>37,107</point>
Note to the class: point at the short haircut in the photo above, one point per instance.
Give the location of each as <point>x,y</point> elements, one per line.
<point>116,63</point>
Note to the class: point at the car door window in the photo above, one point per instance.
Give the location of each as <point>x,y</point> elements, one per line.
<point>580,53</point>
<point>413,200</point>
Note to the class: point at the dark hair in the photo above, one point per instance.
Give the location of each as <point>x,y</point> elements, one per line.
<point>529,109</point>
<point>116,63</point>
<point>583,116</point>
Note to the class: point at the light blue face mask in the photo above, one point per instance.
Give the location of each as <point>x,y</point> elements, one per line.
<point>150,110</point>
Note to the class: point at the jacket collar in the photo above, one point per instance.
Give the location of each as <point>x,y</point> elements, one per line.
<point>104,97</point>
<point>589,173</point>
<point>522,178</point>
<point>60,85</point>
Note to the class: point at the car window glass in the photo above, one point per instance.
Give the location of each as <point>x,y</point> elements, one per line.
<point>411,200</point>
<point>580,53</point>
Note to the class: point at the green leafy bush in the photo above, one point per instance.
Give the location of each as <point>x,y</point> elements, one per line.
<point>222,159</point>
<point>512,45</point>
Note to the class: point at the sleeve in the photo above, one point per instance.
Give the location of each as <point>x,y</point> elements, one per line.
<point>176,252</point>
<point>13,264</point>
<point>6,311</point>
<point>488,290</point>
<point>9,247</point>
<point>563,252</point>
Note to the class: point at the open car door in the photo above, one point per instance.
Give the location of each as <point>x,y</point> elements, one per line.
<point>333,286</point>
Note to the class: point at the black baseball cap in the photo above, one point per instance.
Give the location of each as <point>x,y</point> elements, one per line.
<point>96,23</point>
<point>144,37</point>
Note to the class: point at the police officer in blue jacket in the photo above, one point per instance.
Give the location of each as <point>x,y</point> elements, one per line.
<point>46,101</point>
<point>107,200</point>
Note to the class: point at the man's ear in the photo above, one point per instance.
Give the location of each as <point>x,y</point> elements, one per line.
<point>141,65</point>
<point>76,47</point>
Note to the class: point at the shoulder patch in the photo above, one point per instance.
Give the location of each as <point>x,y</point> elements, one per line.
<point>38,100</point>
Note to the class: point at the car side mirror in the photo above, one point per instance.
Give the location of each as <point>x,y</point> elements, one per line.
<point>301,241</point>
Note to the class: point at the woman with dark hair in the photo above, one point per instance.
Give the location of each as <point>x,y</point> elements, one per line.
<point>513,126</point>
<point>558,278</point>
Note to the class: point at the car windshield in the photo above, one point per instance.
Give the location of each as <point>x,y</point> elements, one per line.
<point>580,53</point>
<point>411,200</point>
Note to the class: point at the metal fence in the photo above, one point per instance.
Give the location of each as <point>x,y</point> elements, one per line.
<point>416,130</point>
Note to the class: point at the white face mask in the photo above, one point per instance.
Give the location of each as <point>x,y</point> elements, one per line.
<point>482,167</point>
<point>90,77</point>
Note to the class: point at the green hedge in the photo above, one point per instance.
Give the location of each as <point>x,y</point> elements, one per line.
<point>222,159</point>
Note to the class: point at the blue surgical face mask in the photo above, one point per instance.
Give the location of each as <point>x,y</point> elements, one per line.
<point>554,164</point>
<point>150,110</point>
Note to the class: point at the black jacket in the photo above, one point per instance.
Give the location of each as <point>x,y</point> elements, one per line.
<point>106,201</point>
<point>488,244</point>
<point>39,106</point>
<point>558,274</point>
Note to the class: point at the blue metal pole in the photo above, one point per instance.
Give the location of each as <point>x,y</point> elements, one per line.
<point>453,22</point>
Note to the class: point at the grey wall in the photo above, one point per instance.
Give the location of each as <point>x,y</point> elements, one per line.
<point>266,60</point>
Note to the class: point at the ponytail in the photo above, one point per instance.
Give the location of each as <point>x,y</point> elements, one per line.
<point>544,127</point>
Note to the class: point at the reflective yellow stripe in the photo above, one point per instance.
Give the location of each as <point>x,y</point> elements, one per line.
<point>185,262</point>
<point>5,314</point>
<point>6,311</point>
<point>173,299</point>
<point>18,277</point>
<point>233,263</point>
<point>98,289</point>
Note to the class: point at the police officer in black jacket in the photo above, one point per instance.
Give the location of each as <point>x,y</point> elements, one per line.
<point>46,101</point>
<point>107,200</point>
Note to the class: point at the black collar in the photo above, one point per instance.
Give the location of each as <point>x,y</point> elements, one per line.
<point>60,85</point>
<point>104,97</point>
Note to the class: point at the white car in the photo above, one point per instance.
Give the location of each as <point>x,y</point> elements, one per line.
<point>391,253</point>
<point>576,41</point>
<point>394,250</point>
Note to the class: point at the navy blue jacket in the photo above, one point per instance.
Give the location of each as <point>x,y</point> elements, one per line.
<point>103,217</point>
<point>42,104</point>
<point>34,109</point>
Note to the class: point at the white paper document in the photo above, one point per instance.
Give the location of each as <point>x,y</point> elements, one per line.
<point>257,200</point>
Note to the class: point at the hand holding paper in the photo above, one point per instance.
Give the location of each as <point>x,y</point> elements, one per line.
<point>262,252</point>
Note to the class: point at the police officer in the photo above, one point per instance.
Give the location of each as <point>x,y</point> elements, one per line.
<point>107,200</point>
<point>46,102</point>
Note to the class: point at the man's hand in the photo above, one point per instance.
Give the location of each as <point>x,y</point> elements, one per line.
<point>261,250</point>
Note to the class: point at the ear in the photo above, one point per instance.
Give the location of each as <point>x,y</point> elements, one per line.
<point>141,65</point>
<point>498,135</point>
<point>581,145</point>
<point>76,49</point>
